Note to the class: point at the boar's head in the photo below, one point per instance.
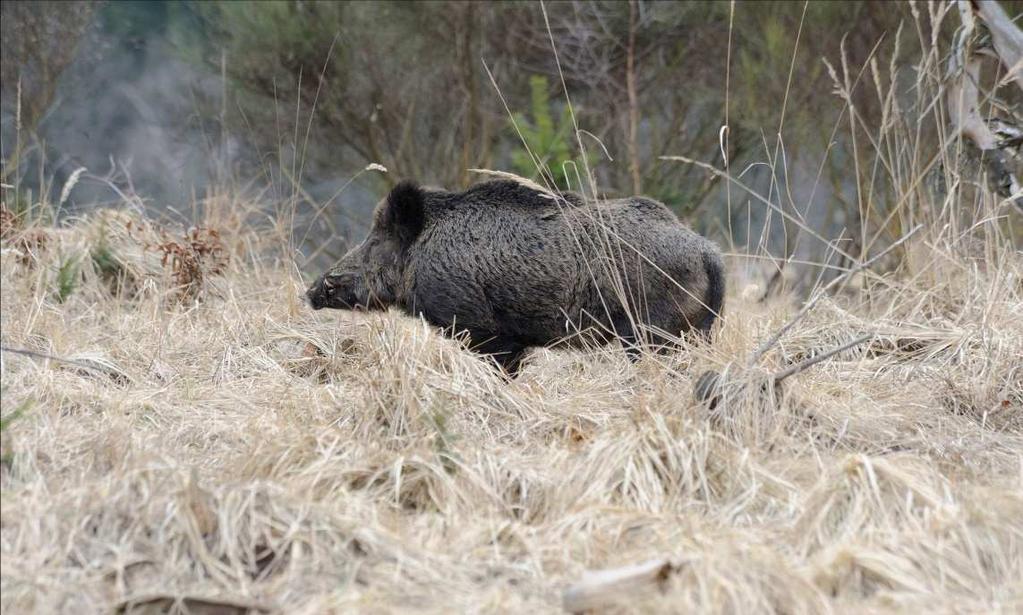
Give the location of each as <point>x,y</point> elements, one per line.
<point>367,277</point>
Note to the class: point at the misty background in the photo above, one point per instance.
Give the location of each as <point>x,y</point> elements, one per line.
<point>168,101</point>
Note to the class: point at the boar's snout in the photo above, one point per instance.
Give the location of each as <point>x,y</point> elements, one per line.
<point>316,295</point>
<point>338,292</point>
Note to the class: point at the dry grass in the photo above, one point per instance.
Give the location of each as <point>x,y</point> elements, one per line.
<point>230,445</point>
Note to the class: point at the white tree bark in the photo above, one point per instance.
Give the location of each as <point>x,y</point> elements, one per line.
<point>1006,37</point>
<point>964,96</point>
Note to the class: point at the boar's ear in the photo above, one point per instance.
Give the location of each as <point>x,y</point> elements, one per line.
<point>403,212</point>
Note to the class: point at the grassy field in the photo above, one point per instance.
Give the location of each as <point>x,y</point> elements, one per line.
<point>190,431</point>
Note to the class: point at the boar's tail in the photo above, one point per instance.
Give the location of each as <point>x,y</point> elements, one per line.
<point>715,298</point>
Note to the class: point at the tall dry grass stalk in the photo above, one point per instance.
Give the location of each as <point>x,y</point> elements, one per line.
<point>229,448</point>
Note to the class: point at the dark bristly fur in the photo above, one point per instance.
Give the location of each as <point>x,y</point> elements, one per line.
<point>516,268</point>
<point>715,298</point>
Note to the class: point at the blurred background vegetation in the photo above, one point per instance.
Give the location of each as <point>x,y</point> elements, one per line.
<point>292,99</point>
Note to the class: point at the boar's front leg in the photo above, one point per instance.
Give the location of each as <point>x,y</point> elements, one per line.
<point>507,353</point>
<point>626,334</point>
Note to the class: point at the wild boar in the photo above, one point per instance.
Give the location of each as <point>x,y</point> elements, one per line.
<point>515,267</point>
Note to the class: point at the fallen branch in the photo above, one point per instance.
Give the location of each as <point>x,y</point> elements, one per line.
<point>111,371</point>
<point>608,587</point>
<point>792,370</point>
<point>711,384</point>
<point>809,305</point>
<point>168,602</point>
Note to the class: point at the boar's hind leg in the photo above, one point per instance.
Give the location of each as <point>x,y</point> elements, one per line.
<point>507,353</point>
